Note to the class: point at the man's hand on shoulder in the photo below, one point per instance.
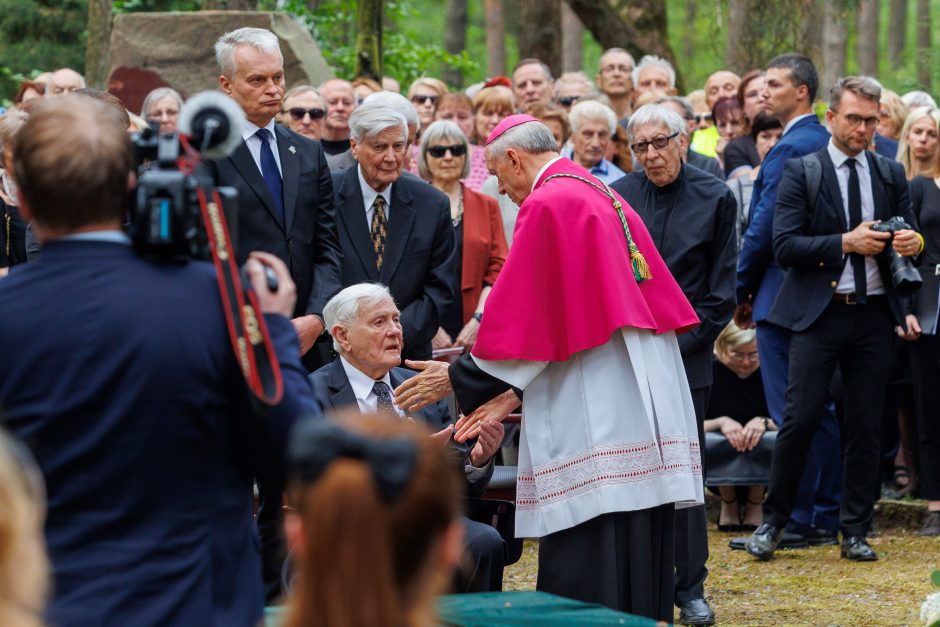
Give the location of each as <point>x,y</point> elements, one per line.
<point>280,302</point>
<point>863,240</point>
<point>308,330</point>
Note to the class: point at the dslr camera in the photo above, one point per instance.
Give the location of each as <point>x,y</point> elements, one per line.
<point>906,277</point>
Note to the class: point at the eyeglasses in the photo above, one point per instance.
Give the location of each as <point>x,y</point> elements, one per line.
<point>567,101</point>
<point>457,150</point>
<point>420,100</point>
<point>659,143</point>
<point>703,117</point>
<point>855,120</point>
<point>298,113</point>
<point>752,356</point>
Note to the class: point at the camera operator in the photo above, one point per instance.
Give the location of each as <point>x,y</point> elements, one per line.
<point>119,374</point>
<point>841,303</point>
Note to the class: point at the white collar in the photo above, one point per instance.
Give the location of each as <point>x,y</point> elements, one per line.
<point>542,171</point>
<point>361,383</point>
<point>790,124</point>
<point>838,157</point>
<point>250,129</point>
<point>369,194</point>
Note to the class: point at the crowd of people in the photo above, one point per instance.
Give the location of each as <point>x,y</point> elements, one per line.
<point>538,226</point>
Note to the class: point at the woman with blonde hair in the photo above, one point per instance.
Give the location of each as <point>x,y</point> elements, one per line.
<point>374,522</point>
<point>917,148</point>
<point>490,106</point>
<point>736,448</point>
<point>892,115</point>
<point>424,93</point>
<point>24,568</point>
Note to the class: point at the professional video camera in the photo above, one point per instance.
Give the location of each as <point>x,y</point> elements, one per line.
<point>168,215</point>
<point>906,277</point>
<point>178,215</point>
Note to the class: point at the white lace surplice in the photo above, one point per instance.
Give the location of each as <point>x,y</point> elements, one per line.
<point>611,429</point>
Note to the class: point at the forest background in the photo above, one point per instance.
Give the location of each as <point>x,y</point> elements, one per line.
<point>465,41</point>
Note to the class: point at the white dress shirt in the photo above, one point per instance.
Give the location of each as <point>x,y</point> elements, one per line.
<point>369,195</point>
<point>792,122</point>
<point>362,387</point>
<point>254,143</point>
<point>847,280</point>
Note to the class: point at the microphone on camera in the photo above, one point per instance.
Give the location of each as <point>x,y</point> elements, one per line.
<point>213,123</point>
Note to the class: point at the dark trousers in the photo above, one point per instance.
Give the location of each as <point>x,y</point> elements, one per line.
<point>926,379</point>
<point>820,489</point>
<point>270,521</point>
<point>622,560</point>
<point>692,527</point>
<point>857,338</point>
<point>484,560</point>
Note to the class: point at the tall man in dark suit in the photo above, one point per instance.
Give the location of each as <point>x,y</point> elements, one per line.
<point>283,181</point>
<point>366,328</point>
<point>119,374</point>
<point>394,228</point>
<point>789,91</point>
<point>690,215</point>
<point>839,301</point>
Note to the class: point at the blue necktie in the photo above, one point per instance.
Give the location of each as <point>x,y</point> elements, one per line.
<point>272,177</point>
<point>384,398</point>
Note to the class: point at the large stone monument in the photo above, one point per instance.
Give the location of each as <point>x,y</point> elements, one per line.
<point>150,50</point>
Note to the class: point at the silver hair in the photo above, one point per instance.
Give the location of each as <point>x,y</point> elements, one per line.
<point>611,51</point>
<point>592,110</point>
<point>658,115</point>
<point>371,119</point>
<point>296,90</point>
<point>225,47</point>
<point>651,60</point>
<point>156,96</point>
<point>917,98</point>
<point>862,86</point>
<point>533,138</point>
<point>343,309</point>
<point>576,78</point>
<point>683,103</point>
<point>435,132</point>
<point>398,103</point>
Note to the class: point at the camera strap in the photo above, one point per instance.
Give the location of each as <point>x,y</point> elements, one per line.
<point>246,326</point>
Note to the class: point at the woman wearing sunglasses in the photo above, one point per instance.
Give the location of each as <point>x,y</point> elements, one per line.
<point>302,111</point>
<point>478,227</point>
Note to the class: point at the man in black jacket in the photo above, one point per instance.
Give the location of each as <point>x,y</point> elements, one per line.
<point>690,215</point>
<point>839,301</point>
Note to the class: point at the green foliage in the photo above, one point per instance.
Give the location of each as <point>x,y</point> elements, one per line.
<point>935,578</point>
<point>136,6</point>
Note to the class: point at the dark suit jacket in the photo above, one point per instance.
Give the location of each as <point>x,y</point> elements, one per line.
<point>420,258</point>
<point>741,151</point>
<point>759,275</point>
<point>332,388</point>
<point>695,235</point>
<point>809,244</point>
<point>120,377</point>
<point>307,242</point>
<point>886,147</point>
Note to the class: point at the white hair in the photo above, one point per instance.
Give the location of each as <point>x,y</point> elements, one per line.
<point>398,103</point>
<point>531,137</point>
<point>914,99</point>
<point>370,119</point>
<point>592,110</point>
<point>156,96</point>
<point>438,131</point>
<point>651,60</point>
<point>343,309</point>
<point>657,115</point>
<point>227,44</point>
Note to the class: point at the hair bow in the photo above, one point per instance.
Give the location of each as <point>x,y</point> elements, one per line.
<point>316,443</point>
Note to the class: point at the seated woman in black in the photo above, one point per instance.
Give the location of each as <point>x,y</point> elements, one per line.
<point>737,451</point>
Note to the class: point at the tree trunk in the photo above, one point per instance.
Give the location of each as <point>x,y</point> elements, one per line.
<point>897,32</point>
<point>230,5</point>
<point>98,44</point>
<point>810,30</point>
<point>540,32</point>
<point>495,38</point>
<point>834,45</point>
<point>637,26</point>
<point>737,56</point>
<point>868,37</point>
<point>760,30</point>
<point>572,40</point>
<point>924,53</point>
<point>369,40</point>
<point>688,46</point>
<point>455,38</point>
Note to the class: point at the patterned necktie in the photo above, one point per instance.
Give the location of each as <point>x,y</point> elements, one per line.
<point>384,396</point>
<point>379,225</point>
<point>272,177</point>
<point>855,218</point>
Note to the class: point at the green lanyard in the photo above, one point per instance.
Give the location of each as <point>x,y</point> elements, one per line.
<point>641,271</point>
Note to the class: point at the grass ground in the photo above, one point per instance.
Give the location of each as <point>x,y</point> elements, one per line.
<point>805,587</point>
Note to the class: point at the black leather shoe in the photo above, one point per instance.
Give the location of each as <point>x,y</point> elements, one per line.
<point>762,542</point>
<point>857,549</point>
<point>788,540</point>
<point>696,612</point>
<point>821,537</point>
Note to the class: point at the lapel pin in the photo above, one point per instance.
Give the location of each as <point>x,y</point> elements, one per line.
<point>292,150</point>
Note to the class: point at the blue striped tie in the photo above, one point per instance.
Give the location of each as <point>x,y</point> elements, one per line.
<point>272,177</point>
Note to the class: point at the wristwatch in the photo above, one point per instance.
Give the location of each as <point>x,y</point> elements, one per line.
<point>478,316</point>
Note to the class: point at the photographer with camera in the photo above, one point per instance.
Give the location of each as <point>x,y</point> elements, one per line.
<point>120,376</point>
<point>841,301</point>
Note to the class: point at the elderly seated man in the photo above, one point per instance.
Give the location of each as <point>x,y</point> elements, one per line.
<point>366,329</point>
<point>592,126</point>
